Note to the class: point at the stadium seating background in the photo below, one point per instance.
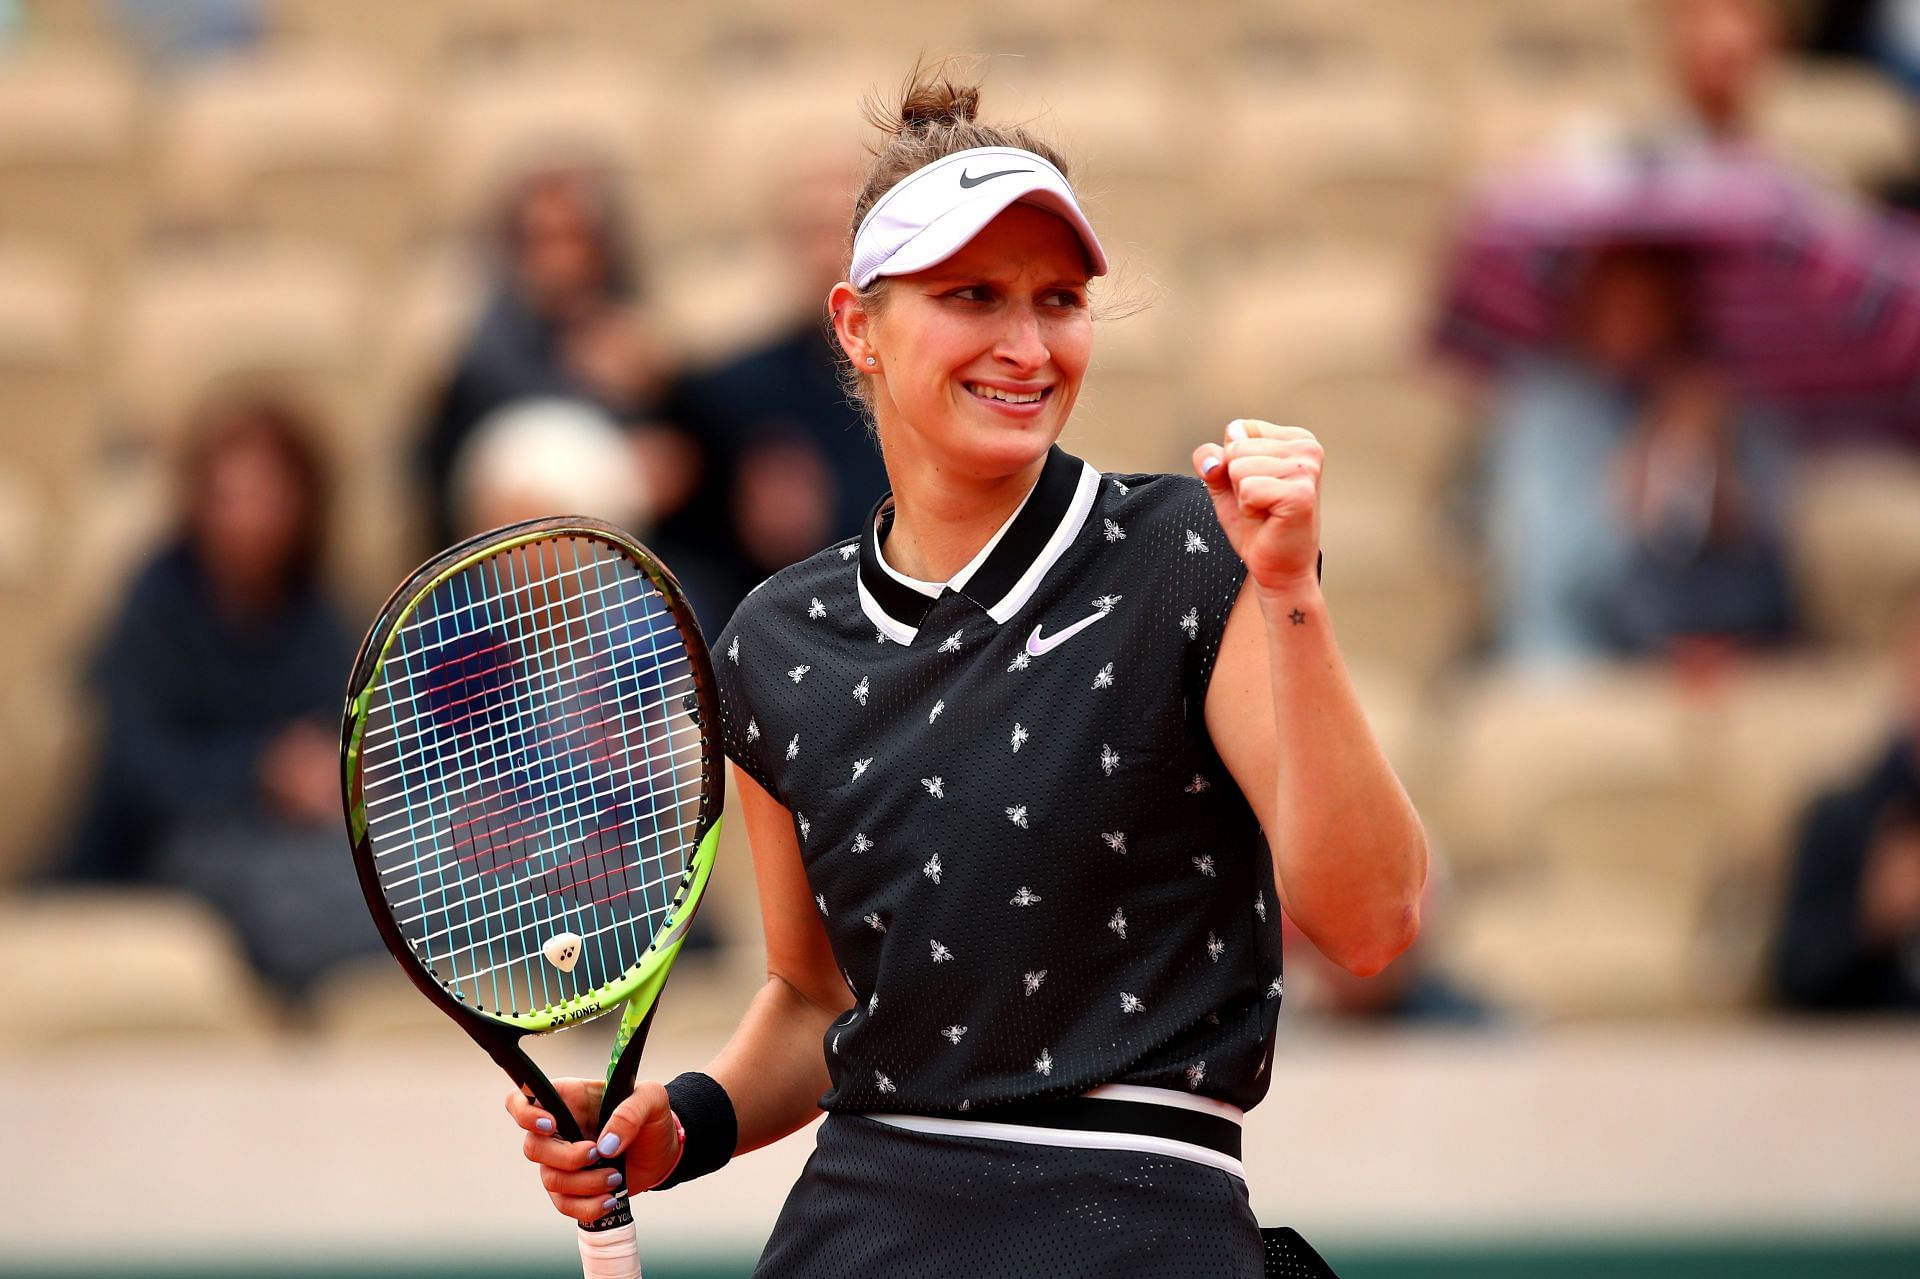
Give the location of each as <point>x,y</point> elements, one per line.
<point>1276,178</point>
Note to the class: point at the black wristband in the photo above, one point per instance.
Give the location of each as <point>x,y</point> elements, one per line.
<point>706,1113</point>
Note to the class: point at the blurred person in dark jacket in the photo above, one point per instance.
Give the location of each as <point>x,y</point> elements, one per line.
<point>220,684</point>
<point>563,320</point>
<point>1850,933</point>
<point>1883,32</point>
<point>807,471</point>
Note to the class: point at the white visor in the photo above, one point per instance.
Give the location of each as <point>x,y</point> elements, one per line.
<point>931,214</point>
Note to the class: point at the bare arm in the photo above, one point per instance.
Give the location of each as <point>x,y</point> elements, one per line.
<point>1350,857</point>
<point>773,1067</point>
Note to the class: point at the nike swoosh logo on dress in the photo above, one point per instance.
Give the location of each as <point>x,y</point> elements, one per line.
<point>1039,647</point>
<point>968,182</point>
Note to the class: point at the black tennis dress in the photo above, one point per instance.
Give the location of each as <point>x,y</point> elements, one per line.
<point>1052,905</point>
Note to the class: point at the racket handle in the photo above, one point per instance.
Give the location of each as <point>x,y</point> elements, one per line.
<point>612,1253</point>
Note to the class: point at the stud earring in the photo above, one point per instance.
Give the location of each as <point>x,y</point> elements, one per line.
<point>870,360</point>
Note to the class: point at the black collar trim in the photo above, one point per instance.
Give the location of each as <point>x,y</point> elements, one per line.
<point>1009,567</point>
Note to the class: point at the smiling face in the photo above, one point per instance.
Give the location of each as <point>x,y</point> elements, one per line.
<point>979,359</point>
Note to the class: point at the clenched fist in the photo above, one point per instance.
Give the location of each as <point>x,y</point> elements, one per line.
<point>1265,483</point>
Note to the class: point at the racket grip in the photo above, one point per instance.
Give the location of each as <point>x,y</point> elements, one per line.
<point>610,1253</point>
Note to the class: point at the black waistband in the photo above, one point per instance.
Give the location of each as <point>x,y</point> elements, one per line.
<point>1109,1114</point>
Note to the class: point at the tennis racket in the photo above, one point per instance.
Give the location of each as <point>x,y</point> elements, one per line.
<point>533,785</point>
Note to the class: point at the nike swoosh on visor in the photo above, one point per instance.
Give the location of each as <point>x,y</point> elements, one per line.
<point>967,181</point>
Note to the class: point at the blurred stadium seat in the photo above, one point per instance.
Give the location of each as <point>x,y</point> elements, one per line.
<point>371,998</point>
<point>1522,745</point>
<point>49,366</point>
<point>305,145</point>
<point>71,156</point>
<point>144,964</point>
<point>1400,593</point>
<point>194,319</point>
<point>1346,155</point>
<point>1586,948</point>
<point>45,740</point>
<point>83,24</point>
<point>1858,544</point>
<point>1404,437</point>
<point>1584,835</point>
<point>425,37</point>
<point>1777,735</point>
<point>1271,179</point>
<point>1841,120</point>
<point>1541,41</point>
<point>486,125</point>
<point>1271,324</point>
<point>1307,38</point>
<point>1781,732</point>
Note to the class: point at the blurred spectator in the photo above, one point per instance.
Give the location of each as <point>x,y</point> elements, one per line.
<point>565,323</point>
<point>173,35</point>
<point>806,469</point>
<point>1850,935</point>
<point>1720,52</point>
<point>563,320</point>
<point>220,680</point>
<point>535,458</point>
<point>1885,32</point>
<point>1633,501</point>
<point>1656,325</point>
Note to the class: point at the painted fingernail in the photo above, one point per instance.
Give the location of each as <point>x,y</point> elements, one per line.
<point>609,1144</point>
<point>1209,466</point>
<point>544,1124</point>
<point>609,1204</point>
<point>615,1181</point>
<point>1236,430</point>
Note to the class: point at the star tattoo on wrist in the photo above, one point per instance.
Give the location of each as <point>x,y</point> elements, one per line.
<point>1297,617</point>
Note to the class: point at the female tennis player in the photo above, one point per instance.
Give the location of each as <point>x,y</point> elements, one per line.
<point>1029,769</point>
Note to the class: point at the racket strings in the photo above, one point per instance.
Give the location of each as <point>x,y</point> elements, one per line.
<point>509,657</point>
<point>542,775</point>
<point>613,790</point>
<point>513,723</point>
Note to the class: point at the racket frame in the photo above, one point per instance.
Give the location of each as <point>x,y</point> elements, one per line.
<point>636,991</point>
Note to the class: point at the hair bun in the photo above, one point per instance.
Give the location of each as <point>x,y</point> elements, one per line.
<point>932,103</point>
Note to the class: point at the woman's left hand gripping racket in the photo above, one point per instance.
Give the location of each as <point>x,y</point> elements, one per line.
<point>533,788</point>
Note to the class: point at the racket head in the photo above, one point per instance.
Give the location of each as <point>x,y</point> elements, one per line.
<point>533,779</point>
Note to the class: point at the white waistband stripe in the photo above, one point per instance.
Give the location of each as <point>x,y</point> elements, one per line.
<point>1168,1097</point>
